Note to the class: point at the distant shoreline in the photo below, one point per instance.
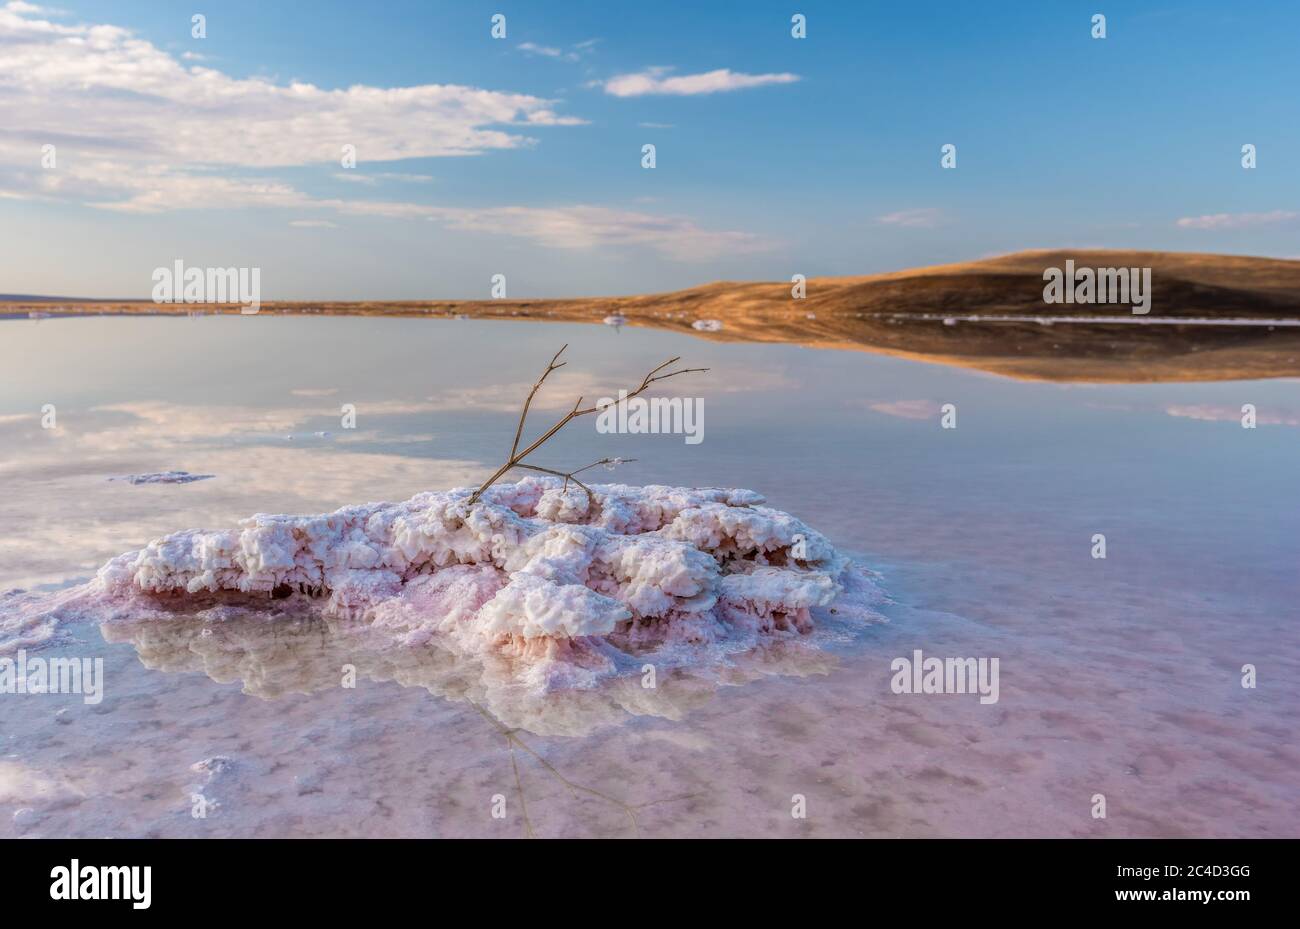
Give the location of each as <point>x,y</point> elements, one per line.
<point>1212,317</point>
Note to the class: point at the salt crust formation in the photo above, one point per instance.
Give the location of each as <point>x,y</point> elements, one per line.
<point>572,589</point>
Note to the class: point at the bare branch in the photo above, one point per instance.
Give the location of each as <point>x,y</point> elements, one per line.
<point>532,393</point>
<point>516,459</point>
<point>650,378</point>
<point>569,475</point>
<point>567,478</point>
<point>603,461</point>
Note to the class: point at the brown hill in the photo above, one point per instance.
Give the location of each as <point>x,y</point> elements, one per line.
<point>921,313</point>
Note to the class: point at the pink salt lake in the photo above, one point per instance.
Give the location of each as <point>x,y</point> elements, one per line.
<point>1119,676</point>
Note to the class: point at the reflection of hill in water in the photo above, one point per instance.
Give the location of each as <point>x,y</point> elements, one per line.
<point>903,313</point>
<point>277,650</point>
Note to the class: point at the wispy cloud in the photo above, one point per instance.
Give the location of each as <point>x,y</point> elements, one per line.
<point>1236,220</point>
<point>578,226</point>
<point>584,227</point>
<point>547,51</point>
<point>372,180</point>
<point>572,53</point>
<point>924,218</point>
<point>659,81</point>
<point>313,224</point>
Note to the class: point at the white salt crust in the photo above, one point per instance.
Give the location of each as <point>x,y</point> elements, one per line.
<point>575,589</point>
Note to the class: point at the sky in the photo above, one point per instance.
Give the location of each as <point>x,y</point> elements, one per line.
<point>523,155</point>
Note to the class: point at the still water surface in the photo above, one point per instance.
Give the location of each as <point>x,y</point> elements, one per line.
<point>1119,676</point>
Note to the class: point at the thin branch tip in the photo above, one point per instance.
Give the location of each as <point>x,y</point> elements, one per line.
<point>516,458</point>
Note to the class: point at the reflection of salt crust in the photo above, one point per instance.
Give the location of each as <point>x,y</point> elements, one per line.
<point>532,571</point>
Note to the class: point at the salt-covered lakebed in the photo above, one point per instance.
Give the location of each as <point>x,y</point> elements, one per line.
<point>1119,676</point>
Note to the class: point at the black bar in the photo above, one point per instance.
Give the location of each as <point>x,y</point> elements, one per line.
<point>333,878</point>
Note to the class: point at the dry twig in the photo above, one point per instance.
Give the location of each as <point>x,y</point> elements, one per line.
<point>516,459</point>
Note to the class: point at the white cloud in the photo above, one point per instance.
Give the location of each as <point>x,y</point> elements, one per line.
<point>139,132</point>
<point>1236,220</point>
<point>656,81</point>
<point>126,114</point>
<point>313,224</point>
<point>924,218</point>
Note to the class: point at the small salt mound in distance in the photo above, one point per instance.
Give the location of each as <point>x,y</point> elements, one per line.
<point>164,477</point>
<point>615,319</point>
<point>707,325</point>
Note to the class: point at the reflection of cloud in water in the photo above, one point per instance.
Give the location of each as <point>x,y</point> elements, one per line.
<point>279,649</point>
<point>907,409</point>
<point>72,518</point>
<point>20,783</point>
<point>563,388</point>
<point>1210,412</point>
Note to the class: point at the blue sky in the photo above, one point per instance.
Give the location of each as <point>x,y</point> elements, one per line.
<point>522,155</point>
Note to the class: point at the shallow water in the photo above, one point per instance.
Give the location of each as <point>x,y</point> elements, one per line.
<point>1119,676</point>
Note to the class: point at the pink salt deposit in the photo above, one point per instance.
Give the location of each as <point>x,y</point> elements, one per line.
<point>575,589</point>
